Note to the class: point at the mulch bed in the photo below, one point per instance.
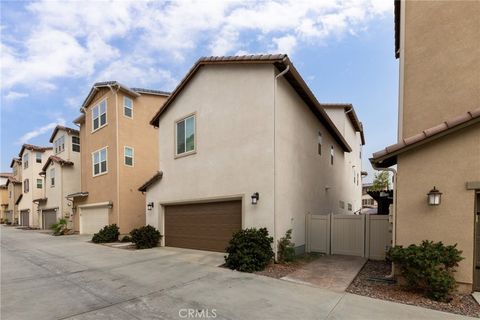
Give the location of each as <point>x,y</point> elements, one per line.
<point>463,304</point>
<point>280,270</point>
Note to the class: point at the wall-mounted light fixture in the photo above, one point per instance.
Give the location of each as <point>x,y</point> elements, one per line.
<point>255,198</point>
<point>150,206</point>
<point>434,197</point>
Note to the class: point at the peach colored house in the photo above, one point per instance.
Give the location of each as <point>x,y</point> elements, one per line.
<point>438,145</point>
<point>14,189</point>
<point>4,193</point>
<point>119,152</point>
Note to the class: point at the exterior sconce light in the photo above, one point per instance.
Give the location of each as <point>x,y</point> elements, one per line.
<point>255,197</point>
<point>434,197</point>
<point>150,206</point>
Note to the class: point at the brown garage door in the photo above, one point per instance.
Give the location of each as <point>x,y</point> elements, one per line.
<point>203,226</point>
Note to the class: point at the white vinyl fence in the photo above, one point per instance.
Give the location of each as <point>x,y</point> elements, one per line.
<point>356,235</point>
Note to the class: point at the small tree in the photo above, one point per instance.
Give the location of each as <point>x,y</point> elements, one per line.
<point>286,248</point>
<point>381,181</point>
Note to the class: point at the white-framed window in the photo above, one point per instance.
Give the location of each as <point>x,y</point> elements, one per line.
<point>128,153</point>
<point>52,177</point>
<point>25,161</point>
<point>127,107</point>
<point>99,115</point>
<point>341,204</point>
<point>39,183</point>
<point>59,144</point>
<point>185,136</point>
<point>75,144</point>
<point>38,157</point>
<point>349,207</point>
<point>14,170</point>
<point>320,143</point>
<point>10,194</point>
<point>332,153</point>
<point>26,186</point>
<point>99,161</point>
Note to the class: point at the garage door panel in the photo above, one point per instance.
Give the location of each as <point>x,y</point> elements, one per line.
<point>93,219</point>
<point>204,226</point>
<point>49,218</point>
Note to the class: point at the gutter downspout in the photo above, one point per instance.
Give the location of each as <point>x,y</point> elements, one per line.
<point>394,213</point>
<point>115,92</point>
<point>275,245</point>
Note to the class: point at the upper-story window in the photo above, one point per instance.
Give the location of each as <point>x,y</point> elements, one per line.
<point>349,207</point>
<point>99,160</point>
<point>38,157</point>
<point>15,170</point>
<point>127,107</point>
<point>320,143</point>
<point>25,161</point>
<point>128,155</point>
<point>52,177</point>
<point>185,136</point>
<point>99,115</point>
<point>26,186</point>
<point>10,193</point>
<point>75,144</point>
<point>39,183</point>
<point>332,153</point>
<point>59,144</point>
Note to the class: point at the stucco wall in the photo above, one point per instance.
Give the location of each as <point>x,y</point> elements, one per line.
<point>441,62</point>
<point>436,164</point>
<point>234,131</point>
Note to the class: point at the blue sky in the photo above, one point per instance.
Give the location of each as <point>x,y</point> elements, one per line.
<point>52,52</point>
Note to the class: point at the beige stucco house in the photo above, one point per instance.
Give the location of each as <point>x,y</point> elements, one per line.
<point>119,152</point>
<point>61,175</point>
<point>439,129</point>
<point>4,194</point>
<point>33,158</point>
<point>14,188</point>
<point>245,143</point>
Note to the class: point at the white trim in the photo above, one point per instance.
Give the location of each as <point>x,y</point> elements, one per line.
<point>133,156</point>
<point>124,107</point>
<point>99,114</point>
<point>93,162</point>
<point>98,204</point>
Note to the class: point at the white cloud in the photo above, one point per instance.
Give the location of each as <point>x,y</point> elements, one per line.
<point>285,44</point>
<point>13,95</point>
<point>39,131</point>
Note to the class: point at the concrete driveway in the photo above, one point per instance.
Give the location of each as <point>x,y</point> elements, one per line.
<point>45,277</point>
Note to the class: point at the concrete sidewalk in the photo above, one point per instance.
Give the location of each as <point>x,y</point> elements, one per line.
<point>46,277</point>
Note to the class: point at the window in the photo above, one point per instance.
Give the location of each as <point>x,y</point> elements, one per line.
<point>52,177</point>
<point>14,170</point>
<point>99,162</point>
<point>358,177</point>
<point>59,144</point>
<point>128,154</point>
<point>349,206</point>
<point>38,157</point>
<point>332,152</point>
<point>26,186</point>
<point>99,115</point>
<point>10,193</point>
<point>127,107</point>
<point>75,143</point>
<point>320,143</point>
<point>25,161</point>
<point>39,183</point>
<point>360,152</point>
<point>185,135</point>
<point>341,204</point>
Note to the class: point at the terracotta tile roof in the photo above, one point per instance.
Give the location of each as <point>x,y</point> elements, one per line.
<point>388,156</point>
<point>12,180</point>
<point>15,160</point>
<point>151,181</point>
<point>33,148</point>
<point>58,160</point>
<point>66,129</point>
<point>6,174</point>
<point>19,198</point>
<point>39,200</point>
<point>281,62</point>
<point>352,115</point>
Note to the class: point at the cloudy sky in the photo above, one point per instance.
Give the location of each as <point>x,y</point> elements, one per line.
<point>52,52</point>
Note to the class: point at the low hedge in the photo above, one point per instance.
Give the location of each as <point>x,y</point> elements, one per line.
<point>145,237</point>
<point>107,234</point>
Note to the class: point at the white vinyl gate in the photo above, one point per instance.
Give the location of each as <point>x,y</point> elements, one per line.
<point>355,235</point>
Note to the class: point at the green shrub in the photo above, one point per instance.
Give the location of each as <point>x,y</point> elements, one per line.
<point>428,267</point>
<point>107,234</point>
<point>60,227</point>
<point>286,248</point>
<point>126,239</point>
<point>249,250</point>
<point>145,237</point>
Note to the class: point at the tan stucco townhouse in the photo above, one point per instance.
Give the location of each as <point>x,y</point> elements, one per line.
<point>438,149</point>
<point>33,158</point>
<point>4,193</point>
<point>61,175</point>
<point>14,188</point>
<point>245,143</point>
<point>119,152</point>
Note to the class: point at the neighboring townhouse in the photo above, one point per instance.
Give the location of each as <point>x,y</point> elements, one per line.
<point>4,194</point>
<point>438,151</point>
<point>14,188</point>
<point>61,177</point>
<point>367,200</point>
<point>244,143</point>
<point>345,119</point>
<point>32,160</point>
<point>119,152</point>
